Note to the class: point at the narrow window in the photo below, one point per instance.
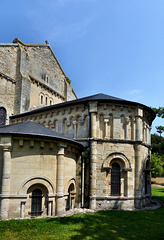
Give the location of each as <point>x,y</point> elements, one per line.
<point>47,79</point>
<point>46,100</point>
<point>147,177</point>
<point>41,99</point>
<point>2,116</point>
<point>115,179</point>
<point>69,199</point>
<point>50,102</point>
<point>36,203</point>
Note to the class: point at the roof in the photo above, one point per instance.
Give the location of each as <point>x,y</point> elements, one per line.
<point>33,129</point>
<point>97,97</point>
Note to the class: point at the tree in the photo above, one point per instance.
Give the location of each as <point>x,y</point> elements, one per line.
<point>156,165</point>
<point>159,111</point>
<point>160,129</point>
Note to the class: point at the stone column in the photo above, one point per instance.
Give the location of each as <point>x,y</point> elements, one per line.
<point>139,125</point>
<point>60,167</point>
<point>5,182</point>
<point>106,121</point>
<point>75,128</point>
<point>127,120</point>
<point>93,174</point>
<point>49,208</point>
<point>22,209</point>
<point>138,173</point>
<point>132,129</point>
<point>93,154</point>
<point>138,157</point>
<point>93,112</point>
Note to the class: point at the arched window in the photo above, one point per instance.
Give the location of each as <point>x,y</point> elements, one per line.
<point>115,179</point>
<point>41,99</point>
<point>36,202</point>
<point>69,204</point>
<point>2,116</point>
<point>46,101</point>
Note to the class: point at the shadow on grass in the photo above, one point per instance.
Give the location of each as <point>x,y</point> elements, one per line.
<point>120,225</point>
<point>158,193</point>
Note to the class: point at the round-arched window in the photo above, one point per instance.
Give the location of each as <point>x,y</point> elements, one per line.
<point>2,116</point>
<point>115,179</point>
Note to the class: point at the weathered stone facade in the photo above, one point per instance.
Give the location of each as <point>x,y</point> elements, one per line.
<point>35,76</point>
<point>113,130</point>
<point>114,170</point>
<point>38,162</point>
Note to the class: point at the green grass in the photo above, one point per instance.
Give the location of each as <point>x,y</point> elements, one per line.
<point>120,225</point>
<point>158,193</point>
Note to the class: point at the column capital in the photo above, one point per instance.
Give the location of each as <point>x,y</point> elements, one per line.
<point>61,147</point>
<point>93,107</point>
<point>5,143</point>
<point>6,148</point>
<point>139,112</point>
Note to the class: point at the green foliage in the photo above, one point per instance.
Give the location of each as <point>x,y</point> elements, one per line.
<point>160,129</point>
<point>156,139</point>
<point>68,80</point>
<point>106,225</point>
<point>159,111</point>
<point>157,144</point>
<point>156,165</point>
<point>86,155</point>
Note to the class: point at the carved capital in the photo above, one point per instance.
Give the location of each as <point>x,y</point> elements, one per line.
<point>92,107</point>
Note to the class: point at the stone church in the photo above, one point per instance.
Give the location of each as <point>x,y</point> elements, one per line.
<point>58,152</point>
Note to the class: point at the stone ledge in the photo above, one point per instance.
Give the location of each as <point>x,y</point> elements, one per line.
<point>7,77</point>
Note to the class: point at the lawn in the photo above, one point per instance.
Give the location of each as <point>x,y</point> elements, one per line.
<point>120,225</point>
<point>158,193</point>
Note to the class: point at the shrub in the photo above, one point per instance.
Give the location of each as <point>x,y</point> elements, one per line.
<point>156,165</point>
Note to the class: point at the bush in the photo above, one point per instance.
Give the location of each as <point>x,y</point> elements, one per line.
<point>156,165</point>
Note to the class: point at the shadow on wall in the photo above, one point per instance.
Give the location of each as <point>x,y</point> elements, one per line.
<point>117,205</point>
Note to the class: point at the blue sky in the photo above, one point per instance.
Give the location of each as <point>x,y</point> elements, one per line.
<point>114,47</point>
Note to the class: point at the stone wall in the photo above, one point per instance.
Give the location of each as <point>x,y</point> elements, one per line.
<point>7,95</point>
<point>112,122</point>
<point>34,165</point>
<point>113,133</point>
<point>8,59</point>
<point>37,74</point>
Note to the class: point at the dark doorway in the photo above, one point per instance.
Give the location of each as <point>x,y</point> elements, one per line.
<point>115,179</point>
<point>2,116</point>
<point>36,204</point>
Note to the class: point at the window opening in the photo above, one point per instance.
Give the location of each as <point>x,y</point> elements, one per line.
<point>41,99</point>
<point>46,100</point>
<point>69,200</point>
<point>115,179</point>
<point>2,116</point>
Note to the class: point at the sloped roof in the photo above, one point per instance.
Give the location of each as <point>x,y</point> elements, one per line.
<point>33,129</point>
<point>100,97</point>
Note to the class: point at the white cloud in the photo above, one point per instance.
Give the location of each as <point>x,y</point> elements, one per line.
<point>134,92</point>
